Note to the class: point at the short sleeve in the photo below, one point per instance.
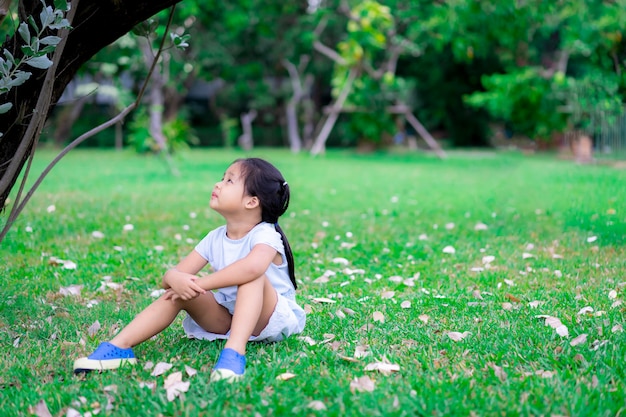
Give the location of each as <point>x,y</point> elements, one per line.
<point>205,245</point>
<point>266,234</point>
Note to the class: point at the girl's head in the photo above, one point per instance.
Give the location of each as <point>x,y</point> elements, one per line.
<point>264,181</point>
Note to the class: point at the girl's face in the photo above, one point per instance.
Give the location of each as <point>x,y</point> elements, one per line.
<point>229,194</point>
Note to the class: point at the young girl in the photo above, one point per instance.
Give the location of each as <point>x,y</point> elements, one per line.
<point>254,278</point>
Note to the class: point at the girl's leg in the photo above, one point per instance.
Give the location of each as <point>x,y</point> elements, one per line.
<point>160,314</point>
<point>255,305</point>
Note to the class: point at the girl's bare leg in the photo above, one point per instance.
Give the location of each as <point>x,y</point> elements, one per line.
<point>255,305</point>
<point>159,315</point>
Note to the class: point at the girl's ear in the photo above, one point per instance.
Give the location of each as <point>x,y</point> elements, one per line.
<point>252,202</point>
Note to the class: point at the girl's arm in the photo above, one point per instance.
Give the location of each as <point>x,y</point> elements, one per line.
<point>242,271</point>
<point>182,278</point>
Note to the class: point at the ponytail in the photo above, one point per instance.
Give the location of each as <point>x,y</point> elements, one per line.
<point>288,255</point>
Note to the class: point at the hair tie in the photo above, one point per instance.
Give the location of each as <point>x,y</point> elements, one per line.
<point>285,184</point>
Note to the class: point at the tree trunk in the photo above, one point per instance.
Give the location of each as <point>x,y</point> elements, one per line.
<point>97,23</point>
<point>67,117</point>
<point>246,140</point>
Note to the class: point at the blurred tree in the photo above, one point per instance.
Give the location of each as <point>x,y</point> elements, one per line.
<point>536,41</point>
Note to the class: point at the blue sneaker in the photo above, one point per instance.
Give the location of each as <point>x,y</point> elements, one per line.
<point>230,366</point>
<point>106,356</point>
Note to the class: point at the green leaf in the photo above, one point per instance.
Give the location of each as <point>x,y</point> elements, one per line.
<point>62,5</point>
<point>41,62</point>
<point>46,17</point>
<point>5,107</point>
<point>50,40</point>
<point>24,32</point>
<point>33,24</point>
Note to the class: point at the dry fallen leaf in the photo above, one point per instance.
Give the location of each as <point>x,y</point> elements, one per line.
<point>323,300</point>
<point>71,290</point>
<point>507,306</point>
<point>285,376</point>
<point>40,410</point>
<point>316,405</point>
<point>161,368</point>
<point>480,226</point>
<point>387,294</point>
<point>382,367</point>
<point>424,318</point>
<point>579,340</point>
<point>174,385</point>
<point>512,298</point>
<point>93,329</point>
<point>190,371</point>
<point>406,304</point>
<point>617,328</point>
<point>342,261</point>
<point>498,371</point>
<point>457,336</point>
<point>362,384</point>
<point>361,351</point>
<point>449,249</point>
<point>379,317</point>
<point>585,310</point>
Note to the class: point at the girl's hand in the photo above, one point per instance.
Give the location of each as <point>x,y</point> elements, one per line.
<point>183,286</point>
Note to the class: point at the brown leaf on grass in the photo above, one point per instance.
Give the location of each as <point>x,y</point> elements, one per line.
<point>285,376</point>
<point>40,409</point>
<point>348,358</point>
<point>383,367</point>
<point>476,294</point>
<point>405,304</point>
<point>93,329</point>
<point>71,290</point>
<point>174,385</point>
<point>378,316</point>
<point>190,371</point>
<point>585,310</point>
<point>498,371</point>
<point>361,351</point>
<point>387,294</point>
<point>424,318</point>
<point>316,405</point>
<point>161,368</point>
<point>579,340</point>
<point>507,306</point>
<point>362,384</point>
<point>457,336</point>
<point>555,323</point>
<point>323,300</point>
<point>618,328</point>
<point>512,298</point>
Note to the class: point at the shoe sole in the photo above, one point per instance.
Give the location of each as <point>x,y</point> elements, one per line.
<point>86,364</point>
<point>224,375</point>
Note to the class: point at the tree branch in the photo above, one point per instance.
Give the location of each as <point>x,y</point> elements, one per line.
<point>330,53</point>
<point>18,207</point>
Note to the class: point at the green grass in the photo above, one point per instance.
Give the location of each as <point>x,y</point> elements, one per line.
<point>370,210</point>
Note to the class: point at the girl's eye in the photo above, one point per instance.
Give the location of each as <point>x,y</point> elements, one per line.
<point>230,181</point>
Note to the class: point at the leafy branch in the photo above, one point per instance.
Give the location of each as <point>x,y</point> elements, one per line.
<point>35,48</point>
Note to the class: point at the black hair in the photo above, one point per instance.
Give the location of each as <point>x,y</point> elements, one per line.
<point>264,180</point>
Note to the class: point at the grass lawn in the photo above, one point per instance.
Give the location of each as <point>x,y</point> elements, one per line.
<point>485,284</point>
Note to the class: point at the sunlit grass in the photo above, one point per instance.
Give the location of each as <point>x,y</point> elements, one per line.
<point>556,232</point>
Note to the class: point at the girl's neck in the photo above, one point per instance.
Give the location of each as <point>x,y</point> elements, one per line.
<point>237,229</point>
